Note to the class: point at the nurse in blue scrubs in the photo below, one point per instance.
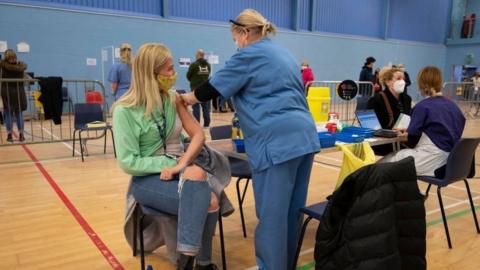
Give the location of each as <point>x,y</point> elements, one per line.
<point>264,81</point>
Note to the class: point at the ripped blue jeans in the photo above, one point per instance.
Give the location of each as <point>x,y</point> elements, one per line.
<point>190,202</point>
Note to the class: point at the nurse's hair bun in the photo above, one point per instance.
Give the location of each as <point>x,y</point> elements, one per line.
<point>254,21</point>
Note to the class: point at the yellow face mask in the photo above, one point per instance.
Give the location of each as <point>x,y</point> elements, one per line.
<point>166,82</point>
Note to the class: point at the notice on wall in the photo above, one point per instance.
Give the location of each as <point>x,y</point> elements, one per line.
<point>23,47</point>
<point>91,61</point>
<point>184,62</point>
<point>3,46</point>
<point>213,59</point>
<point>117,53</point>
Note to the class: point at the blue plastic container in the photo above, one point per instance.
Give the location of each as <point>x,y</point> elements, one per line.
<point>349,137</point>
<point>239,145</point>
<point>326,139</point>
<point>365,132</point>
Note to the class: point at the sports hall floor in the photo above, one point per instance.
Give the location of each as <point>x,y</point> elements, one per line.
<point>59,213</point>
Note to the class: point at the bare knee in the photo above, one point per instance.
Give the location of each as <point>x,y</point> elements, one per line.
<point>213,203</point>
<point>194,173</point>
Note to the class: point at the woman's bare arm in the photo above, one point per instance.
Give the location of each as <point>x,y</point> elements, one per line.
<point>197,137</point>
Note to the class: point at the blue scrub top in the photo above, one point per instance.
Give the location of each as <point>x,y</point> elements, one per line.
<point>121,74</point>
<point>265,83</point>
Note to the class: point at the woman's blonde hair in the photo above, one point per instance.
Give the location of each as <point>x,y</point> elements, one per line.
<point>144,89</point>
<point>430,80</point>
<point>126,55</point>
<point>255,22</point>
<point>10,55</point>
<point>387,73</point>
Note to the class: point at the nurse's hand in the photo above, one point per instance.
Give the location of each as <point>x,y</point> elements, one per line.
<point>189,98</point>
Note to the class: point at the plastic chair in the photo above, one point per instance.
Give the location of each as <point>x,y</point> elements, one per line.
<point>141,211</point>
<point>85,113</point>
<point>314,211</point>
<point>460,166</point>
<point>239,168</point>
<point>362,104</point>
<point>66,98</point>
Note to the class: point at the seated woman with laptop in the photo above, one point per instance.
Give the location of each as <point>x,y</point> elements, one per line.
<point>435,127</point>
<point>390,103</point>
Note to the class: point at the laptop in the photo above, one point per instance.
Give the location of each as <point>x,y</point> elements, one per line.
<point>368,119</point>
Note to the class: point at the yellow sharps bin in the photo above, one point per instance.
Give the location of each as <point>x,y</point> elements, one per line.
<point>319,103</point>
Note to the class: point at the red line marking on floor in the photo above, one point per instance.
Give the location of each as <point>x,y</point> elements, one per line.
<point>81,221</point>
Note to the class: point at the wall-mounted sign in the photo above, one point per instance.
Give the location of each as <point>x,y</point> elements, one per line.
<point>91,61</point>
<point>23,47</point>
<point>184,61</point>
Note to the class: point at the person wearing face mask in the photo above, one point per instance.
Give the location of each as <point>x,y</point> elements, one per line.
<point>13,94</point>
<point>435,127</point>
<point>389,103</point>
<point>120,74</point>
<point>147,124</point>
<point>280,135</point>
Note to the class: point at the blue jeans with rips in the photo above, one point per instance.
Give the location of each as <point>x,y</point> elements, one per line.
<point>190,202</point>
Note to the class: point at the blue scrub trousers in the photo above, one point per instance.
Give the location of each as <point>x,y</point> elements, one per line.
<point>280,191</point>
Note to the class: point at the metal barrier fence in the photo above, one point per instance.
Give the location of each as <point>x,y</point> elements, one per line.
<point>24,94</point>
<point>345,108</point>
<point>465,96</point>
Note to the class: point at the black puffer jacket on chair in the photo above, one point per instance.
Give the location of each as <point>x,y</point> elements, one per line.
<point>375,220</point>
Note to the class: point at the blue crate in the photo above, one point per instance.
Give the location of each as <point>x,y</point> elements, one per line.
<point>366,132</point>
<point>239,145</point>
<point>349,137</point>
<point>326,139</point>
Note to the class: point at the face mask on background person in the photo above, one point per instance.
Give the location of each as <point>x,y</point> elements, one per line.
<point>399,86</point>
<point>166,82</point>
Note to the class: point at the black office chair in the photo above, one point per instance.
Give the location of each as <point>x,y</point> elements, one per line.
<point>239,168</point>
<point>84,114</point>
<point>460,166</point>
<point>141,211</point>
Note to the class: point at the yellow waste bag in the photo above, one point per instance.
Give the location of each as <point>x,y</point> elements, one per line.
<point>355,156</point>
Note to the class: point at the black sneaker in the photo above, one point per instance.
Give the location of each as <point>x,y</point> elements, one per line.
<point>206,267</point>
<point>21,137</point>
<point>185,262</point>
<point>9,137</point>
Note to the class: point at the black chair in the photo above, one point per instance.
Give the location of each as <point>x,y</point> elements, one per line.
<point>66,98</point>
<point>314,211</point>
<point>460,166</point>
<point>239,168</point>
<point>362,104</point>
<point>141,211</point>
<point>84,114</point>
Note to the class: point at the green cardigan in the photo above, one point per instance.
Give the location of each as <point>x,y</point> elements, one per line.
<point>137,139</point>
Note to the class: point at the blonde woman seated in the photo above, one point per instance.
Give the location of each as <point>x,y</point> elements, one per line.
<point>147,124</point>
<point>435,127</point>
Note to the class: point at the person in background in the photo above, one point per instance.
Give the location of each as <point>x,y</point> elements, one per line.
<point>389,103</point>
<point>147,124</point>
<point>377,85</point>
<point>279,132</point>
<point>476,88</point>
<point>120,74</point>
<point>198,73</point>
<point>366,75</point>
<point>435,127</point>
<point>13,93</point>
<point>408,82</point>
<point>307,75</point>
